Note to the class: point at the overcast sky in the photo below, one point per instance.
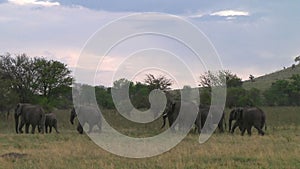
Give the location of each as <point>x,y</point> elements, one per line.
<point>251,37</point>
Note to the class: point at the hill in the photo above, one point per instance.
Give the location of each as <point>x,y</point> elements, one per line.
<point>264,82</point>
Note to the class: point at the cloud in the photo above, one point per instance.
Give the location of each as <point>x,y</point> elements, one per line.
<point>230,13</point>
<point>220,15</point>
<point>34,2</point>
<point>196,16</point>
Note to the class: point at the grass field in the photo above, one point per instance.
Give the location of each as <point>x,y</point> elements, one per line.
<point>264,82</point>
<point>279,148</point>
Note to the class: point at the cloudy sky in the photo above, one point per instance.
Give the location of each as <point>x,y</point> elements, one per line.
<point>251,37</point>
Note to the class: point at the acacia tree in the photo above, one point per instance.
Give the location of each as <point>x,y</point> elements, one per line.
<point>220,78</point>
<point>161,82</point>
<point>235,92</point>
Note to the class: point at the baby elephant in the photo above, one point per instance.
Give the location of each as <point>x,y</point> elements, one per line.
<point>50,122</point>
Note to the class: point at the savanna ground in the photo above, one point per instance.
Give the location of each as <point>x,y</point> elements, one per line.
<point>279,148</point>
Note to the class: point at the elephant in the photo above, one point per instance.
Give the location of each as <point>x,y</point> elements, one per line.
<point>172,111</point>
<point>203,115</point>
<point>233,116</point>
<point>246,118</point>
<point>86,114</point>
<point>50,122</point>
<point>33,115</point>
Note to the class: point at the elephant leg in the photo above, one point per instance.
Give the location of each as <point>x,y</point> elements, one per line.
<point>259,130</point>
<point>21,126</point>
<point>243,131</point>
<point>27,128</point>
<point>46,128</point>
<point>39,128</point>
<point>50,130</point>
<point>220,126</point>
<point>79,128</point>
<point>33,128</point>
<point>249,130</point>
<point>199,129</point>
<point>236,124</point>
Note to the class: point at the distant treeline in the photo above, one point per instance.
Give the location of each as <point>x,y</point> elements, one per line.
<point>48,83</point>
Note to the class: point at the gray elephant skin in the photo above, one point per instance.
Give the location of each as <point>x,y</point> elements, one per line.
<point>173,108</point>
<point>246,118</point>
<point>33,115</point>
<point>172,111</point>
<point>86,114</point>
<point>203,116</point>
<point>50,122</point>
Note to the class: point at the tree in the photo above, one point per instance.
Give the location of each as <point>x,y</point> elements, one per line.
<point>294,90</point>
<point>161,82</point>
<point>254,96</point>
<point>9,97</point>
<point>103,97</point>
<point>277,94</point>
<point>21,70</point>
<point>51,76</point>
<point>210,79</point>
<point>36,80</point>
<point>251,77</point>
<point>297,59</point>
<point>236,97</point>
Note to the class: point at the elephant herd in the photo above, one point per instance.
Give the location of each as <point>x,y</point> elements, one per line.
<point>245,118</point>
<point>35,116</point>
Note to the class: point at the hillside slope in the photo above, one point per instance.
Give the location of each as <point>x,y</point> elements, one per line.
<point>264,82</point>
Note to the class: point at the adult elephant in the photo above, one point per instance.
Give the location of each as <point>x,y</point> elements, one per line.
<point>33,115</point>
<point>86,114</point>
<point>203,116</point>
<point>246,118</point>
<point>233,116</point>
<point>50,122</point>
<point>172,111</point>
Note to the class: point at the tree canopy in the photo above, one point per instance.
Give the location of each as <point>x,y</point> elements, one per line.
<point>34,79</point>
<point>161,82</point>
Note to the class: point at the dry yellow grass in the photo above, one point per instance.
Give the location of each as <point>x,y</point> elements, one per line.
<point>279,148</point>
